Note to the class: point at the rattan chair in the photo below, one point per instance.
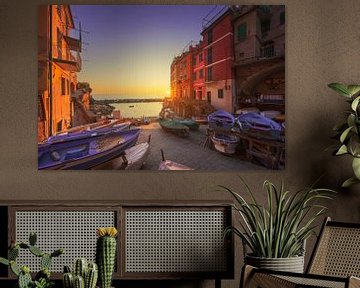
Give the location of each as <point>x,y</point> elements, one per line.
<point>335,262</point>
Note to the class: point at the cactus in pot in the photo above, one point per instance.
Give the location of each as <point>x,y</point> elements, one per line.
<point>106,254</point>
<point>42,278</point>
<point>85,275</point>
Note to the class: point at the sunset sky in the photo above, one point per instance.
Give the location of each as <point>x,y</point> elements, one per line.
<point>131,47</point>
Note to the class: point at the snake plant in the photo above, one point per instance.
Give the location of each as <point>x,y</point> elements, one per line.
<point>349,132</point>
<point>279,229</point>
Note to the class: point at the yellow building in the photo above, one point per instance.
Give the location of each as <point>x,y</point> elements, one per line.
<point>58,62</point>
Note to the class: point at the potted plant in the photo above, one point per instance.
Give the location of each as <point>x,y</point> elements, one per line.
<point>42,278</point>
<point>349,132</point>
<point>276,233</point>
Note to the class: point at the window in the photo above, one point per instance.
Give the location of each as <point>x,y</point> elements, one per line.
<point>201,74</point>
<point>200,94</point>
<point>194,94</point>
<point>63,86</point>
<point>59,126</point>
<point>200,57</point>
<point>67,87</point>
<point>208,96</point>
<point>268,50</point>
<point>241,55</point>
<point>194,76</point>
<point>282,18</point>
<point>242,31</point>
<point>220,93</point>
<point>59,43</point>
<point>210,36</point>
<point>209,74</point>
<point>194,60</point>
<point>265,26</point>
<point>59,10</point>
<point>209,55</point>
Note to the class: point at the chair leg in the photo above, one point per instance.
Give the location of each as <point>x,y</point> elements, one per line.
<point>246,273</point>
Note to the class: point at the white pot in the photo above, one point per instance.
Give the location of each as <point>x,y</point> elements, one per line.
<point>291,264</point>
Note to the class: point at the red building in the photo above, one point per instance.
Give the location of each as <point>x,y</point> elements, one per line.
<point>199,71</point>
<point>181,76</point>
<point>218,52</point>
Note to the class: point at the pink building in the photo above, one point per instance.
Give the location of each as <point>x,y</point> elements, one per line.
<point>218,52</point>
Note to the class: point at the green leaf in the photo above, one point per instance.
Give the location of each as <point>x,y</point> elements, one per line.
<point>353,89</point>
<point>345,134</point>
<point>354,145</point>
<point>342,150</point>
<point>4,261</point>
<point>349,182</point>
<point>351,120</point>
<point>356,167</point>
<point>355,103</point>
<point>340,89</point>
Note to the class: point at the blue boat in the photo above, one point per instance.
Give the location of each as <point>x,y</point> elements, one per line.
<point>258,126</point>
<point>85,153</point>
<point>221,120</point>
<point>91,133</point>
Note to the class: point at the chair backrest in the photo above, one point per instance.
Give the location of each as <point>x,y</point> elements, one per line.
<point>337,251</point>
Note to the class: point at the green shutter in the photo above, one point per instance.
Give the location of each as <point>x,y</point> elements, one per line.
<point>242,32</point>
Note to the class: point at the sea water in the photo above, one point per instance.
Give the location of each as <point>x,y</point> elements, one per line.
<point>133,110</point>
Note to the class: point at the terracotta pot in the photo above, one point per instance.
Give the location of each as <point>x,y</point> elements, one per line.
<point>291,264</point>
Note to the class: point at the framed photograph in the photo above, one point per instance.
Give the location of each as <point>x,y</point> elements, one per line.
<point>161,87</point>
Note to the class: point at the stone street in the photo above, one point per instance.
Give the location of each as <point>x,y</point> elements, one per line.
<point>189,151</point>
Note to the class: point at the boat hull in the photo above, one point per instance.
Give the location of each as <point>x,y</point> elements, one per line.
<point>169,165</point>
<point>174,127</point>
<point>92,133</point>
<point>225,144</point>
<point>260,127</point>
<point>221,120</point>
<point>134,158</point>
<point>84,155</point>
<point>189,123</point>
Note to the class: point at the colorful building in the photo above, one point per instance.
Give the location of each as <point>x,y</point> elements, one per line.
<point>260,56</point>
<point>59,61</point>
<point>218,55</point>
<point>198,71</point>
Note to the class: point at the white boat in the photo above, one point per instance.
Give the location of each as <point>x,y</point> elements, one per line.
<point>225,143</point>
<point>171,165</point>
<point>133,159</point>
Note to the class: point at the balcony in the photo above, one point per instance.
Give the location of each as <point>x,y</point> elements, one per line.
<point>73,43</point>
<point>70,63</point>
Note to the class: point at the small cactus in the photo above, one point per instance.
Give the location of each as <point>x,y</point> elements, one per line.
<point>24,280</point>
<point>45,261</point>
<point>32,239</point>
<point>80,268</point>
<point>106,254</point>
<point>13,253</point>
<point>68,280</point>
<point>91,276</point>
<point>84,274</point>
<point>42,278</point>
<point>36,251</point>
<point>79,282</point>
